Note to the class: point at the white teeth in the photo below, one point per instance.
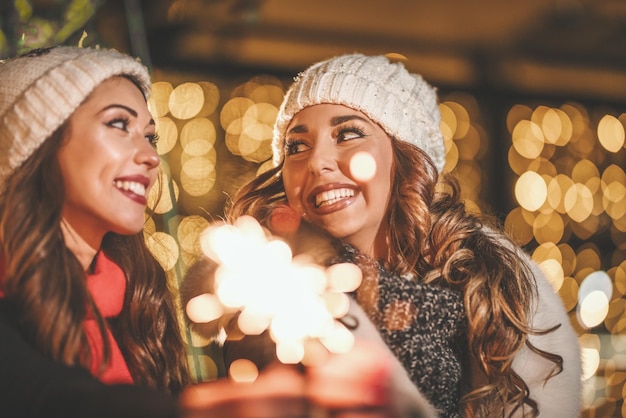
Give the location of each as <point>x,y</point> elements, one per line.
<point>331,196</point>
<point>132,186</point>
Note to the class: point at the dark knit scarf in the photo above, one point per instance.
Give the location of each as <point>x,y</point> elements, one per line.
<point>107,285</point>
<point>423,324</point>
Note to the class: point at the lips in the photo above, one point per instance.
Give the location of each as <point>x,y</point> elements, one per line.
<point>331,197</point>
<point>135,187</point>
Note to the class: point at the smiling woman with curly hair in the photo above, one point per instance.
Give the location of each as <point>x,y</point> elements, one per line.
<point>474,322</point>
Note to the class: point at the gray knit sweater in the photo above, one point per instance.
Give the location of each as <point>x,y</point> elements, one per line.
<point>423,324</point>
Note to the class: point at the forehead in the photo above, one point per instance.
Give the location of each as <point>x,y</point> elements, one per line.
<point>326,110</point>
<point>117,88</point>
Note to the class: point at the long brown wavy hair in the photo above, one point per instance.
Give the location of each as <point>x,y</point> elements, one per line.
<point>45,287</point>
<point>435,238</point>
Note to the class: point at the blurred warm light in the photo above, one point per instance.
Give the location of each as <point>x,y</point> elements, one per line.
<point>569,293</point>
<point>568,259</point>
<point>515,114</point>
<point>588,258</point>
<point>289,352</point>
<point>264,167</point>
<point>168,135</point>
<point>160,197</point>
<point>557,127</point>
<point>591,361</point>
<point>233,110</point>
<point>243,371</point>
<point>531,191</point>
<point>198,175</point>
<point>198,129</point>
<point>160,98</point>
<point>619,278</point>
<point>339,339</point>
<point>198,148</point>
<point>150,226</point>
<point>186,101</point>
<point>578,202</point>
<point>252,322</point>
<point>448,121</point>
<point>554,273</point>
<point>517,163</point>
<point>528,139</point>
<point>264,113</point>
<point>189,100</point>
<point>611,133</point>
<point>584,170</point>
<point>272,94</point>
<point>203,367</point>
<point>517,226</point>
<point>594,295</point>
<point>196,339</point>
<point>547,251</point>
<point>363,166</point>
<point>164,248</point>
<point>204,308</point>
<point>462,117</point>
<point>548,227</point>
<point>188,233</point>
<point>343,277</point>
<point>470,146</point>
<point>593,308</point>
<point>273,290</point>
<point>452,156</point>
<point>254,142</point>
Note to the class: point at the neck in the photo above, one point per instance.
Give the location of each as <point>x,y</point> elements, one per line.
<point>377,248</point>
<point>84,251</point>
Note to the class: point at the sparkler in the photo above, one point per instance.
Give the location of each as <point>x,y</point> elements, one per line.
<point>259,280</point>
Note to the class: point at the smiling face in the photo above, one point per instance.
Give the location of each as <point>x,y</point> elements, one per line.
<point>324,181</point>
<point>108,162</point>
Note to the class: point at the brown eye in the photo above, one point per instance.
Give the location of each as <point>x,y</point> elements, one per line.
<point>295,147</point>
<point>346,134</point>
<point>119,123</point>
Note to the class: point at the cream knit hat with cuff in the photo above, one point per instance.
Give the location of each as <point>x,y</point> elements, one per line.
<point>403,104</point>
<point>40,90</point>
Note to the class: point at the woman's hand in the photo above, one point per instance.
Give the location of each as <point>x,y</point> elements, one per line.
<point>278,392</point>
<point>366,382</point>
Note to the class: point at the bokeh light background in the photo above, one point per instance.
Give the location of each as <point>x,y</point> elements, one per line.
<point>551,171</point>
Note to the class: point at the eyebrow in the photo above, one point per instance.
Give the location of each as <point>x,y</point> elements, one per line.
<point>130,110</point>
<point>337,120</point>
<point>126,108</point>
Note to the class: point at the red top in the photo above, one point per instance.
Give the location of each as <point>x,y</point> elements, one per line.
<point>107,286</point>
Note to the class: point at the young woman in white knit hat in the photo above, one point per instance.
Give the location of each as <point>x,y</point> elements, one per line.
<point>477,327</point>
<point>88,327</point>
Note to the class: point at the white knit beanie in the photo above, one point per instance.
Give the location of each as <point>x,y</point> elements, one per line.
<point>40,90</point>
<point>403,104</point>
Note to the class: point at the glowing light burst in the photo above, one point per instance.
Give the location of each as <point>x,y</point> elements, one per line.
<point>363,166</point>
<point>258,277</point>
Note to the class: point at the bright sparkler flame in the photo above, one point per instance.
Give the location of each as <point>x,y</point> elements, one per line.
<point>259,277</point>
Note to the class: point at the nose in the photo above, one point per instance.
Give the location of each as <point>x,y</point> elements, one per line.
<point>323,158</point>
<point>145,153</point>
